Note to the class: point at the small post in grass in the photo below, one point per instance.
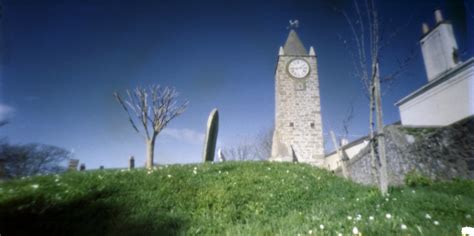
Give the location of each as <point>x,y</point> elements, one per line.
<point>131,163</point>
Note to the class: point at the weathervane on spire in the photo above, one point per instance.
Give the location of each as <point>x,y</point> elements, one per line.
<point>293,24</point>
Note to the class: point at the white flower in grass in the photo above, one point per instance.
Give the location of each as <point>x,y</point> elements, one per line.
<point>355,230</point>
<point>321,226</point>
<point>35,186</point>
<point>287,171</point>
<point>306,188</point>
<point>349,217</point>
<point>371,218</point>
<point>268,168</point>
<point>386,199</point>
<point>195,172</point>
<point>403,227</point>
<point>388,216</point>
<point>435,222</point>
<point>357,199</point>
<point>468,216</point>
<point>467,231</point>
<point>413,191</point>
<point>220,172</point>
<point>358,217</point>
<point>56,180</point>
<point>428,216</point>
<point>338,234</point>
<point>310,232</point>
<point>169,176</point>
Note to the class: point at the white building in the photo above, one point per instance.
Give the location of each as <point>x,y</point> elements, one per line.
<point>449,94</point>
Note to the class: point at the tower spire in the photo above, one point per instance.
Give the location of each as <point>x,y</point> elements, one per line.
<point>294,46</point>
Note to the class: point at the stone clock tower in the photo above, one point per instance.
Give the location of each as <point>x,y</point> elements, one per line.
<point>298,127</point>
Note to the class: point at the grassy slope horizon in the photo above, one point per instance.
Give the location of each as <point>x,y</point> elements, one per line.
<point>232,198</point>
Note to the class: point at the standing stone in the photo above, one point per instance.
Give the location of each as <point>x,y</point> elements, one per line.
<point>83,167</point>
<point>131,163</point>
<point>220,155</point>
<point>298,127</point>
<point>101,167</point>
<point>211,136</point>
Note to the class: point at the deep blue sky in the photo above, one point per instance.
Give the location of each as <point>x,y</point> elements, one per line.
<point>62,60</point>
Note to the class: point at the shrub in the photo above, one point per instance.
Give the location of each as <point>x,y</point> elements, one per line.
<point>415,178</point>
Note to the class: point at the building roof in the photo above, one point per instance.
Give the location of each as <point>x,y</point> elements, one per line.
<point>294,46</point>
<point>447,75</point>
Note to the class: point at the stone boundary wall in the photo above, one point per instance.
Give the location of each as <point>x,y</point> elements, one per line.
<point>441,153</point>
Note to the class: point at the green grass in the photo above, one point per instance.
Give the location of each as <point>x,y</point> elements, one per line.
<point>234,198</point>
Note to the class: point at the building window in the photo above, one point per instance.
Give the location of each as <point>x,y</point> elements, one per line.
<point>312,125</point>
<point>291,124</point>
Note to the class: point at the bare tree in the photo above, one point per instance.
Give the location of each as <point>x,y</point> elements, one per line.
<point>32,159</point>
<point>263,144</point>
<point>257,148</point>
<point>152,108</point>
<point>240,152</point>
<point>346,123</point>
<point>365,28</point>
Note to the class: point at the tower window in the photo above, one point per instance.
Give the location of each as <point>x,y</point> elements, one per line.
<point>312,125</point>
<point>291,124</point>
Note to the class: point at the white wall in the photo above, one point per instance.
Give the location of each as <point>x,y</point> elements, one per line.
<point>443,104</point>
<point>332,162</point>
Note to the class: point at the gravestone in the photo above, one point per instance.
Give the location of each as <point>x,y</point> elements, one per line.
<point>73,163</point>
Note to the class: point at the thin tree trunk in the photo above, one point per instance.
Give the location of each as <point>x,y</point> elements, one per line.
<point>380,135</point>
<point>150,149</point>
<point>372,138</point>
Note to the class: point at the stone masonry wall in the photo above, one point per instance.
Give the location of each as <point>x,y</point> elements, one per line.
<point>439,153</point>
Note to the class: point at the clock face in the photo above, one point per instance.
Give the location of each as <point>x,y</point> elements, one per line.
<point>298,68</point>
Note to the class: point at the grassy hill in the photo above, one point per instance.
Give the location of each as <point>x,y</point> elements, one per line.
<point>234,198</point>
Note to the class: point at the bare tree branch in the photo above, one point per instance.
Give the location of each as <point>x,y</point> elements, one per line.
<point>153,108</point>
